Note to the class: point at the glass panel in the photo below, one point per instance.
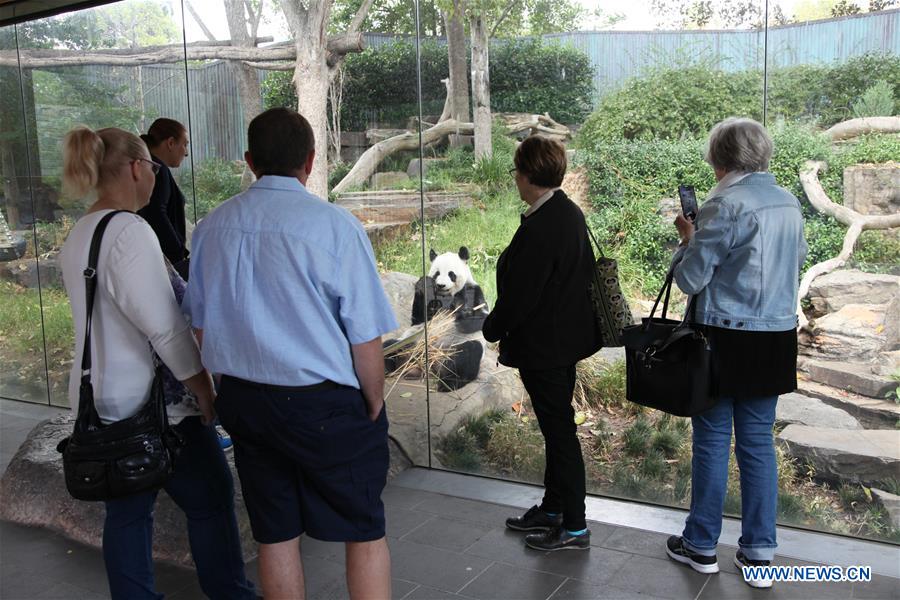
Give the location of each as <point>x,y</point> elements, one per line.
<point>641,91</point>
<point>112,88</point>
<point>23,375</point>
<point>818,85</point>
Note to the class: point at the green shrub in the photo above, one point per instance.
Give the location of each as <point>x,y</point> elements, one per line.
<point>844,84</point>
<point>459,450</point>
<point>215,181</point>
<point>877,101</point>
<point>516,448</point>
<point>667,441</point>
<point>536,76</point>
<point>379,83</point>
<point>653,464</point>
<point>637,437</point>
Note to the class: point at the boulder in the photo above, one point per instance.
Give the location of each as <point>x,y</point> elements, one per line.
<point>577,186</point>
<point>33,492</point>
<point>872,413</point>
<point>388,180</point>
<point>411,407</point>
<point>855,332</point>
<point>400,289</point>
<point>28,272</point>
<point>891,504</point>
<point>668,209</point>
<point>873,189</point>
<point>835,290</point>
<point>854,377</point>
<point>412,171</point>
<point>845,455</point>
<point>802,410</point>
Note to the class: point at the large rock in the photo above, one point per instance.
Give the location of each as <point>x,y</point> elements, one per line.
<point>400,289</point>
<point>835,290</point>
<point>854,377</point>
<point>858,332</point>
<point>411,407</point>
<point>890,503</point>
<point>872,413</point>
<point>845,455</point>
<point>873,189</point>
<point>803,410</point>
<point>28,272</point>
<point>33,492</point>
<point>387,180</point>
<point>412,171</point>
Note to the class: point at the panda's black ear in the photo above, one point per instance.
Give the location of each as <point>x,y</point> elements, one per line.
<point>432,255</point>
<point>464,253</point>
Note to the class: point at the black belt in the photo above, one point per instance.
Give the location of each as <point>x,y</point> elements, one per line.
<point>322,386</point>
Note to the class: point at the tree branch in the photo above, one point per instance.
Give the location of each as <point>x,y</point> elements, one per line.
<point>221,50</point>
<point>856,223</point>
<point>857,127</point>
<point>209,35</point>
<point>503,16</point>
<point>360,16</point>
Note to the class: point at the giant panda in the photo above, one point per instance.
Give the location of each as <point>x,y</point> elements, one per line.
<point>450,286</point>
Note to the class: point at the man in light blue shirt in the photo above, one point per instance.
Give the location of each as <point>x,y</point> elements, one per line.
<point>289,307</point>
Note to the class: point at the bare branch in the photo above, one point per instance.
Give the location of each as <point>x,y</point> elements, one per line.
<point>130,57</point>
<point>503,15</point>
<point>857,127</point>
<point>255,17</point>
<point>360,16</point>
<point>856,223</point>
<point>209,34</point>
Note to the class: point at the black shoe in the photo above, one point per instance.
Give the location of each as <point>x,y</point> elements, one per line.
<point>558,539</point>
<point>698,562</point>
<point>534,520</point>
<point>741,561</point>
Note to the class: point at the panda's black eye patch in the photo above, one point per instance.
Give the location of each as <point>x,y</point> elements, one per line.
<point>452,276</point>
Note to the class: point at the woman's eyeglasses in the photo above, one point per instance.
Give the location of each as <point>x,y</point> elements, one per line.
<point>154,166</point>
<point>512,171</point>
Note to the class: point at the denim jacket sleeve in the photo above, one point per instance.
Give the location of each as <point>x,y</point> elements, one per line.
<point>708,248</point>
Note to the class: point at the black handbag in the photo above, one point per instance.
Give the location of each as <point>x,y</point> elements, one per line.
<point>610,306</point>
<point>668,362</point>
<point>137,454</point>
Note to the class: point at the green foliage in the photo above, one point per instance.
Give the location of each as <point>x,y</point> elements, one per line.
<point>667,441</point>
<point>215,181</point>
<point>685,100</point>
<point>637,437</point>
<point>379,83</point>
<point>877,101</point>
<point>534,76</point>
<point>653,464</point>
<point>21,338</point>
<point>516,448</point>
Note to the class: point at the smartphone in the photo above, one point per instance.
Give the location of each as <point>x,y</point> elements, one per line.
<point>688,201</point>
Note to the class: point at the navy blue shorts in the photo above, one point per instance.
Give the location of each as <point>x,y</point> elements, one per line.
<point>309,461</point>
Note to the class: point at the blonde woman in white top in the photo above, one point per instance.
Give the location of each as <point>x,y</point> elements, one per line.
<point>135,314</point>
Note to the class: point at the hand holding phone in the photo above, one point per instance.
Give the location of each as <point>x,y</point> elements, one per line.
<point>688,199</point>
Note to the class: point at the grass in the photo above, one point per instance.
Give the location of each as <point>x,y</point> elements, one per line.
<point>485,230</point>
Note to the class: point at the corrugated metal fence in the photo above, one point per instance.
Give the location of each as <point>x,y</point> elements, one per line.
<point>218,125</point>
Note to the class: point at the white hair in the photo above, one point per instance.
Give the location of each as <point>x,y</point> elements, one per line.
<point>739,144</point>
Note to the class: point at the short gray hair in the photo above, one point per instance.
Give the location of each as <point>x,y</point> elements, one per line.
<point>738,144</point>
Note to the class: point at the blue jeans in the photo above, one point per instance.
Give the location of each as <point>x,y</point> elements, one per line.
<point>203,488</point>
<point>753,420</point>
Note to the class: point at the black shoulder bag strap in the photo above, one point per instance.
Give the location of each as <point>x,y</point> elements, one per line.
<point>87,412</point>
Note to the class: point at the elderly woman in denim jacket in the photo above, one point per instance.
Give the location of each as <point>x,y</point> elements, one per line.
<point>741,260</point>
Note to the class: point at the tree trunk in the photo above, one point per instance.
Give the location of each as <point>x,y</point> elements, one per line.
<point>481,86</point>
<point>371,158</point>
<point>247,80</point>
<point>456,57</point>
<point>312,78</point>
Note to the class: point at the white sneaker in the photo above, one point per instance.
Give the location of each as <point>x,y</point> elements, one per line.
<point>741,561</point>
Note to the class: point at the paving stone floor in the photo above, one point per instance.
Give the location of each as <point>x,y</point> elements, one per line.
<point>441,546</point>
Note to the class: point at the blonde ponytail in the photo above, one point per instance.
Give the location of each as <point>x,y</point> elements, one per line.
<point>83,153</point>
<point>91,158</point>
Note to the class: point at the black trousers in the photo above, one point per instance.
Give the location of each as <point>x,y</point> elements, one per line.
<point>551,397</point>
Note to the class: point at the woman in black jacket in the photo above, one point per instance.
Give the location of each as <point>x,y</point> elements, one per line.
<point>545,324</point>
<point>168,142</point>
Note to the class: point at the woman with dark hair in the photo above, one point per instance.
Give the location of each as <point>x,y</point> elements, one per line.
<point>135,315</point>
<point>168,141</point>
<point>741,262</point>
<point>545,324</point>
